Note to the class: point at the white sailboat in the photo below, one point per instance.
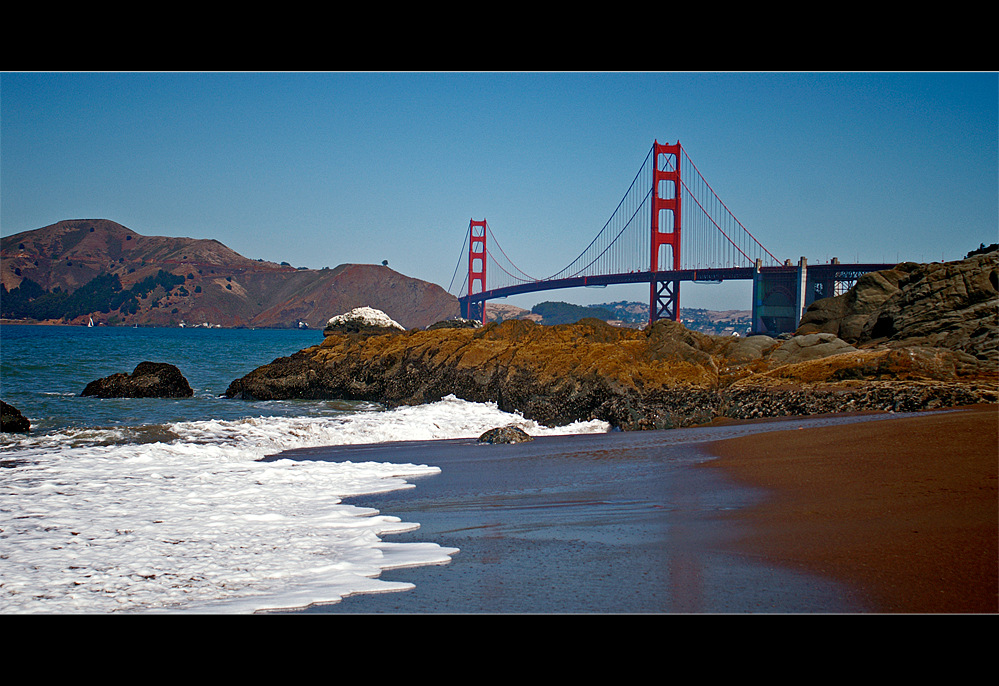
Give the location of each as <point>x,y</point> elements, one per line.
<point>90,324</point>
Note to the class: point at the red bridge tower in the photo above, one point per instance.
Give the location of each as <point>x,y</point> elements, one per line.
<point>664,296</point>
<point>476,268</point>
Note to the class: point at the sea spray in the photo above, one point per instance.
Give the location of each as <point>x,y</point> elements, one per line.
<point>183,517</point>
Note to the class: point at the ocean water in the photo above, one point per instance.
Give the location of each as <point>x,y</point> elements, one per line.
<point>164,505</point>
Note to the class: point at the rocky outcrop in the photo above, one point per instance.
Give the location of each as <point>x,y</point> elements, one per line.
<point>940,353</point>
<point>362,320</point>
<point>455,323</point>
<point>505,434</point>
<point>953,305</point>
<point>808,347</point>
<point>12,421</point>
<point>844,316</point>
<point>662,377</point>
<point>148,380</point>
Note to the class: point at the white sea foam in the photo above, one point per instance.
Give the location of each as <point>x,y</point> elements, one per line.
<point>186,519</point>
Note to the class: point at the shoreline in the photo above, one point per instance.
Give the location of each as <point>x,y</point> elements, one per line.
<point>650,522</point>
<point>905,508</point>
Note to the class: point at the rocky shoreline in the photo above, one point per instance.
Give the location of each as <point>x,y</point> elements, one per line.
<point>558,375</point>
<point>913,338</point>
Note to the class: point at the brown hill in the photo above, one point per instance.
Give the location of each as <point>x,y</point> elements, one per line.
<point>221,287</point>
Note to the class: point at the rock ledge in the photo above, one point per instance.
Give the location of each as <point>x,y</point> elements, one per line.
<point>940,351</point>
<point>505,434</point>
<point>148,380</point>
<point>12,421</point>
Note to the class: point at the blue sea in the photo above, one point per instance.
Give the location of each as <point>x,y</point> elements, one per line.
<point>164,505</point>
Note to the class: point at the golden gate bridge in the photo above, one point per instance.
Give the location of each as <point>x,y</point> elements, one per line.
<point>669,227</point>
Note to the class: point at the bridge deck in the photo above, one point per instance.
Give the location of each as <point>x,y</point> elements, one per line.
<point>826,271</point>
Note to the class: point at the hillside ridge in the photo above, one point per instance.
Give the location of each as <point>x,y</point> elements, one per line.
<point>217,285</point>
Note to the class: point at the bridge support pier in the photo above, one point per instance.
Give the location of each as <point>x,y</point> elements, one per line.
<point>474,310</point>
<point>780,297</point>
<point>665,299</point>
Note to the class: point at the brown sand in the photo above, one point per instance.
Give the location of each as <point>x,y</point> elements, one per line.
<point>905,509</point>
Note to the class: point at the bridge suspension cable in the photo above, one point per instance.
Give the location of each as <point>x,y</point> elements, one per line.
<point>622,244</point>
<point>523,278</point>
<point>491,257</point>
<point>712,236</point>
<point>461,258</point>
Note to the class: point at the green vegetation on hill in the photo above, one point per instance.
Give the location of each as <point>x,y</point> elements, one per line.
<point>636,314</point>
<point>983,250</point>
<point>565,313</point>
<point>629,312</point>
<point>103,293</point>
<point>210,283</point>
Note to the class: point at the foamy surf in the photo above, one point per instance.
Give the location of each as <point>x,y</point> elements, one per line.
<point>184,518</point>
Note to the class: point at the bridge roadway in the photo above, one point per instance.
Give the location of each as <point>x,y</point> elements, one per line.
<point>787,288</point>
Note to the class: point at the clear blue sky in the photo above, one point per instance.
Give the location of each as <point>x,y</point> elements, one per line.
<point>319,169</point>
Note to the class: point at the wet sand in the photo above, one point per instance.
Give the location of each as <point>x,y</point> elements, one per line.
<point>905,509</point>
<point>835,514</point>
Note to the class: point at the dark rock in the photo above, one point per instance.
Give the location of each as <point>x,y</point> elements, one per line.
<point>12,421</point>
<point>456,323</point>
<point>148,380</point>
<point>845,315</point>
<point>953,305</point>
<point>505,434</point>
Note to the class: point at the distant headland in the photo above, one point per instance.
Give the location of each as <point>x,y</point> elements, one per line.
<point>79,269</point>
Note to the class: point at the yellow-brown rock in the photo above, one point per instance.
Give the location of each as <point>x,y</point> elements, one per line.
<point>661,377</point>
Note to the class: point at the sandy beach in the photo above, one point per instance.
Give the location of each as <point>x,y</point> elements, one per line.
<point>834,514</point>
<point>906,508</point>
